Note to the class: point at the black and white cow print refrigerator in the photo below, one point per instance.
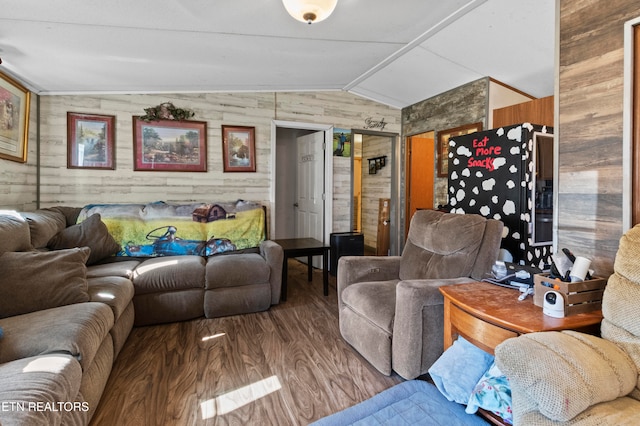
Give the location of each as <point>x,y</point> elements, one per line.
<point>490,173</point>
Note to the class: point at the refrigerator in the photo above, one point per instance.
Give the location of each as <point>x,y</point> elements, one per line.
<point>493,173</point>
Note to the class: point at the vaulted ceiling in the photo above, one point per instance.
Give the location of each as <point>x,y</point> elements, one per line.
<point>394,52</point>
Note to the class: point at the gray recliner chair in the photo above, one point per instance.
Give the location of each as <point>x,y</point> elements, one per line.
<point>390,308</point>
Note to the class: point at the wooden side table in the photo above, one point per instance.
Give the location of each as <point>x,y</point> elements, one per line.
<point>300,247</point>
<point>486,314</point>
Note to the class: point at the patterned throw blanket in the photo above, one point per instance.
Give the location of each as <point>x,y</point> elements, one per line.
<point>164,229</point>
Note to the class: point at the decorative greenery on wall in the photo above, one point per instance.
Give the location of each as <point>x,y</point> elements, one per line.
<point>166,111</point>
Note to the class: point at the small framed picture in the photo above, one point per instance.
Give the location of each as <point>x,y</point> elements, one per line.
<point>372,167</point>
<point>90,141</point>
<point>170,145</point>
<point>443,144</point>
<point>239,148</point>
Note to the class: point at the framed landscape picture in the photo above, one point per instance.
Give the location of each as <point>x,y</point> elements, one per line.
<point>90,141</point>
<point>239,148</point>
<point>443,144</point>
<point>170,145</point>
<point>14,119</point>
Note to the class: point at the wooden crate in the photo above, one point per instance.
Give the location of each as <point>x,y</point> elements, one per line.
<point>579,297</point>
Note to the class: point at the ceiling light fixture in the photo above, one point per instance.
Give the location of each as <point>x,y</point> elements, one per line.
<point>310,11</point>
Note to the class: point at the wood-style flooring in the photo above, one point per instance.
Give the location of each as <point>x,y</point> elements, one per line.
<point>286,366</point>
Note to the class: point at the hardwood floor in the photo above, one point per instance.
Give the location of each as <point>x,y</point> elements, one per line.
<point>286,366</point>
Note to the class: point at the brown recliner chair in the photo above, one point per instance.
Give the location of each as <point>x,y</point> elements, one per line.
<point>390,308</point>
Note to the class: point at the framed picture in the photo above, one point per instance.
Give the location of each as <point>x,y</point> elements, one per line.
<point>239,148</point>
<point>14,119</point>
<point>443,144</point>
<point>90,141</point>
<point>372,167</point>
<point>169,145</point>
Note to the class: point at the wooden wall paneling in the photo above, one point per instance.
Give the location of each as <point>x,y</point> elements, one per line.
<point>463,105</point>
<point>590,198</point>
<point>537,111</point>
<point>73,187</point>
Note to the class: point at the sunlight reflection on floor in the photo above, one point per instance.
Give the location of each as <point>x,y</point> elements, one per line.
<point>233,400</point>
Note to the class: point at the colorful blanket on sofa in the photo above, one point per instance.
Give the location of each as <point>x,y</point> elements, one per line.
<point>164,229</point>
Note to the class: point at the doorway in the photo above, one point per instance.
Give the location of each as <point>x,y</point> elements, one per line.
<point>288,141</point>
<point>631,126</point>
<point>420,171</point>
<point>374,191</point>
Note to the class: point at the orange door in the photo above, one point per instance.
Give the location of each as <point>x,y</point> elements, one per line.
<point>420,174</point>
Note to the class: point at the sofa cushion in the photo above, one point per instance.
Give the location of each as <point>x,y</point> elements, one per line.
<point>236,270</point>
<point>169,273</point>
<point>441,245</point>
<point>43,225</point>
<point>45,380</point>
<point>91,233</point>
<point>15,232</point>
<point>32,281</point>
<point>122,268</point>
<point>587,370</point>
<point>77,330</point>
<point>117,292</point>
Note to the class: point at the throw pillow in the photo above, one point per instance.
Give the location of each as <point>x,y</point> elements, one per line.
<point>564,373</point>
<point>492,393</point>
<point>458,369</point>
<point>15,232</point>
<point>32,281</point>
<point>43,225</point>
<point>92,233</point>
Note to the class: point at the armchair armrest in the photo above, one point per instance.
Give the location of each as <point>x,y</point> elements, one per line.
<point>355,269</point>
<point>562,374</point>
<point>274,256</point>
<point>418,339</point>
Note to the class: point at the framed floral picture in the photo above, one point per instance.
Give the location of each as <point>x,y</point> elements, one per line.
<point>90,141</point>
<point>14,119</point>
<point>238,149</point>
<point>170,145</point>
<point>443,144</point>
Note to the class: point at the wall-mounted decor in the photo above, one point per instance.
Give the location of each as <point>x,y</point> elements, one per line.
<point>169,145</point>
<point>342,142</point>
<point>239,148</point>
<point>14,119</point>
<point>166,111</point>
<point>90,141</point>
<point>376,164</point>
<point>443,144</point>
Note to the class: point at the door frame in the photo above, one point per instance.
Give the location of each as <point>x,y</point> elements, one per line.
<point>327,221</point>
<point>396,234</point>
<point>630,128</point>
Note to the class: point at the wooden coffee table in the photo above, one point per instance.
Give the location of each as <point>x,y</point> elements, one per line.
<point>486,314</point>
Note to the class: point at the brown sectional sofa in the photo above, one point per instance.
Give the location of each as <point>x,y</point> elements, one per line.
<point>65,317</point>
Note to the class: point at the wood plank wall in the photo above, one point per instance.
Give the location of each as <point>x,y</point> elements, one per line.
<point>537,111</point>
<point>77,187</point>
<point>463,105</point>
<point>590,127</point>
<point>374,186</point>
<point>18,189</point>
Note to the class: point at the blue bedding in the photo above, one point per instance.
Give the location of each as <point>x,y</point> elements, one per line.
<point>414,402</point>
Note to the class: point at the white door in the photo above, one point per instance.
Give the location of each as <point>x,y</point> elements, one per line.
<point>310,188</point>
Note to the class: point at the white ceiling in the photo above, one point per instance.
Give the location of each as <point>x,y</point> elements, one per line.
<point>397,52</point>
